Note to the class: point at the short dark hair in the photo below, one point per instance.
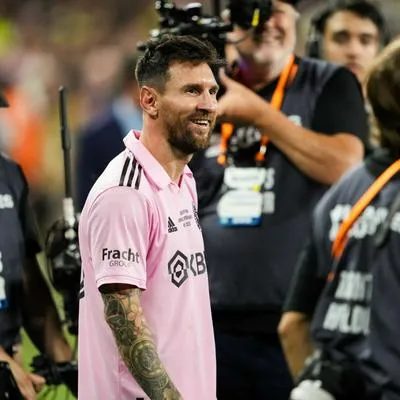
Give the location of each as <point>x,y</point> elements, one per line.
<point>362,8</point>
<point>153,67</point>
<point>383,88</point>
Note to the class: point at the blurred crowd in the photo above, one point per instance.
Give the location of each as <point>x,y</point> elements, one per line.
<point>78,45</point>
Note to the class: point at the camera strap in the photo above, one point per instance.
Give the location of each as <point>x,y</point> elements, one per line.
<point>341,239</point>
<point>286,78</point>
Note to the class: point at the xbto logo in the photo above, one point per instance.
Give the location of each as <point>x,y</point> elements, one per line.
<point>180,267</point>
<point>120,258</point>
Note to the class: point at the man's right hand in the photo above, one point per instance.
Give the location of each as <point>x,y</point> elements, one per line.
<point>28,384</point>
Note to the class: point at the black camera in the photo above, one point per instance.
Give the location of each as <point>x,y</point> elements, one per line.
<point>190,20</point>
<point>54,374</point>
<point>64,267</point>
<point>8,387</point>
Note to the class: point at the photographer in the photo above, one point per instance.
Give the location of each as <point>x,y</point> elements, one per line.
<point>299,124</point>
<point>25,299</point>
<point>349,265</point>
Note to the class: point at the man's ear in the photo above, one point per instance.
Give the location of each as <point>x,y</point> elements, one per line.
<point>149,101</point>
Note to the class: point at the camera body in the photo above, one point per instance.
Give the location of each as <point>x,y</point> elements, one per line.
<point>8,387</point>
<point>64,267</point>
<point>190,20</point>
<point>53,373</point>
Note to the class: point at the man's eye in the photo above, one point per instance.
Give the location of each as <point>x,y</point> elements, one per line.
<point>341,38</point>
<point>192,90</point>
<point>367,40</point>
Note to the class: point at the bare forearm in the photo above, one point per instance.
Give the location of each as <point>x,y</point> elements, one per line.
<point>296,342</point>
<point>320,157</point>
<point>136,346</point>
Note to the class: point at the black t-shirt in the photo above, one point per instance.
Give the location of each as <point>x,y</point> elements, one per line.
<point>18,240</point>
<point>311,272</point>
<point>366,277</point>
<point>250,267</point>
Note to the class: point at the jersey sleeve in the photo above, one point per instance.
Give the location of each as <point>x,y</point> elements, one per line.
<point>119,225</point>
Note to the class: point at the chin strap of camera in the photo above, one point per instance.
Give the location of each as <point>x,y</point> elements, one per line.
<point>286,78</point>
<point>341,239</point>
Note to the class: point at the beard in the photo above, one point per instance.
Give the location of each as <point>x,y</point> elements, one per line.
<point>182,135</point>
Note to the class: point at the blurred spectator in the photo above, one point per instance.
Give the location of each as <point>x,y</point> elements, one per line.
<point>101,139</point>
<point>349,33</point>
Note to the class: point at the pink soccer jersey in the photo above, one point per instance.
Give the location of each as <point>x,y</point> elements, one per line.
<point>138,227</point>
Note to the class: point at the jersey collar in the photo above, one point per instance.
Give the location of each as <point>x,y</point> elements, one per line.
<point>153,169</point>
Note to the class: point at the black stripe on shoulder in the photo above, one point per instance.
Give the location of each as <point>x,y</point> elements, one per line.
<point>132,173</point>
<point>124,171</point>
<point>139,176</point>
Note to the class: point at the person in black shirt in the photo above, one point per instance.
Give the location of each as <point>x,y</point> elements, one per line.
<point>350,33</point>
<point>25,299</point>
<point>340,305</point>
<point>299,124</point>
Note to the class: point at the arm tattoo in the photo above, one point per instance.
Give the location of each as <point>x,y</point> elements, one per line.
<point>124,315</point>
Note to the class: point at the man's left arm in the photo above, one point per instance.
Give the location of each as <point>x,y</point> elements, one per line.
<point>40,317</point>
<point>333,146</point>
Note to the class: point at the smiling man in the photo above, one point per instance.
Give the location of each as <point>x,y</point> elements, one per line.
<point>145,317</point>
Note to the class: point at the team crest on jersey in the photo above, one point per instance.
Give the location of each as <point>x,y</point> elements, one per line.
<point>181,267</point>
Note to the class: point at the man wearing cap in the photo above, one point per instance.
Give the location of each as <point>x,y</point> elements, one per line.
<point>295,126</point>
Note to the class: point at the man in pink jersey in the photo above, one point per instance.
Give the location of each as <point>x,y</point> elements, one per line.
<point>145,329</point>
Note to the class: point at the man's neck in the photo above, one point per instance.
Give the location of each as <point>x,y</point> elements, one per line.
<point>171,160</point>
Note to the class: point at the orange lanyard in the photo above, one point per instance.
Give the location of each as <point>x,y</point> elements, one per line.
<point>287,76</point>
<point>341,238</point>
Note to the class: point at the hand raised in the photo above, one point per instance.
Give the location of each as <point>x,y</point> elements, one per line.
<point>238,103</point>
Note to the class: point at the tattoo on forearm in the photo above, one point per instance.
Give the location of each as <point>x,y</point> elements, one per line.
<point>135,343</point>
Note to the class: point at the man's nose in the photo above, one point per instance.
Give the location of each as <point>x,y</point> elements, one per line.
<point>354,48</point>
<point>208,103</point>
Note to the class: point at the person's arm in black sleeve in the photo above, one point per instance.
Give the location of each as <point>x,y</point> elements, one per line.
<point>294,328</point>
<point>339,109</point>
<point>85,175</point>
<point>322,156</point>
<point>40,317</point>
